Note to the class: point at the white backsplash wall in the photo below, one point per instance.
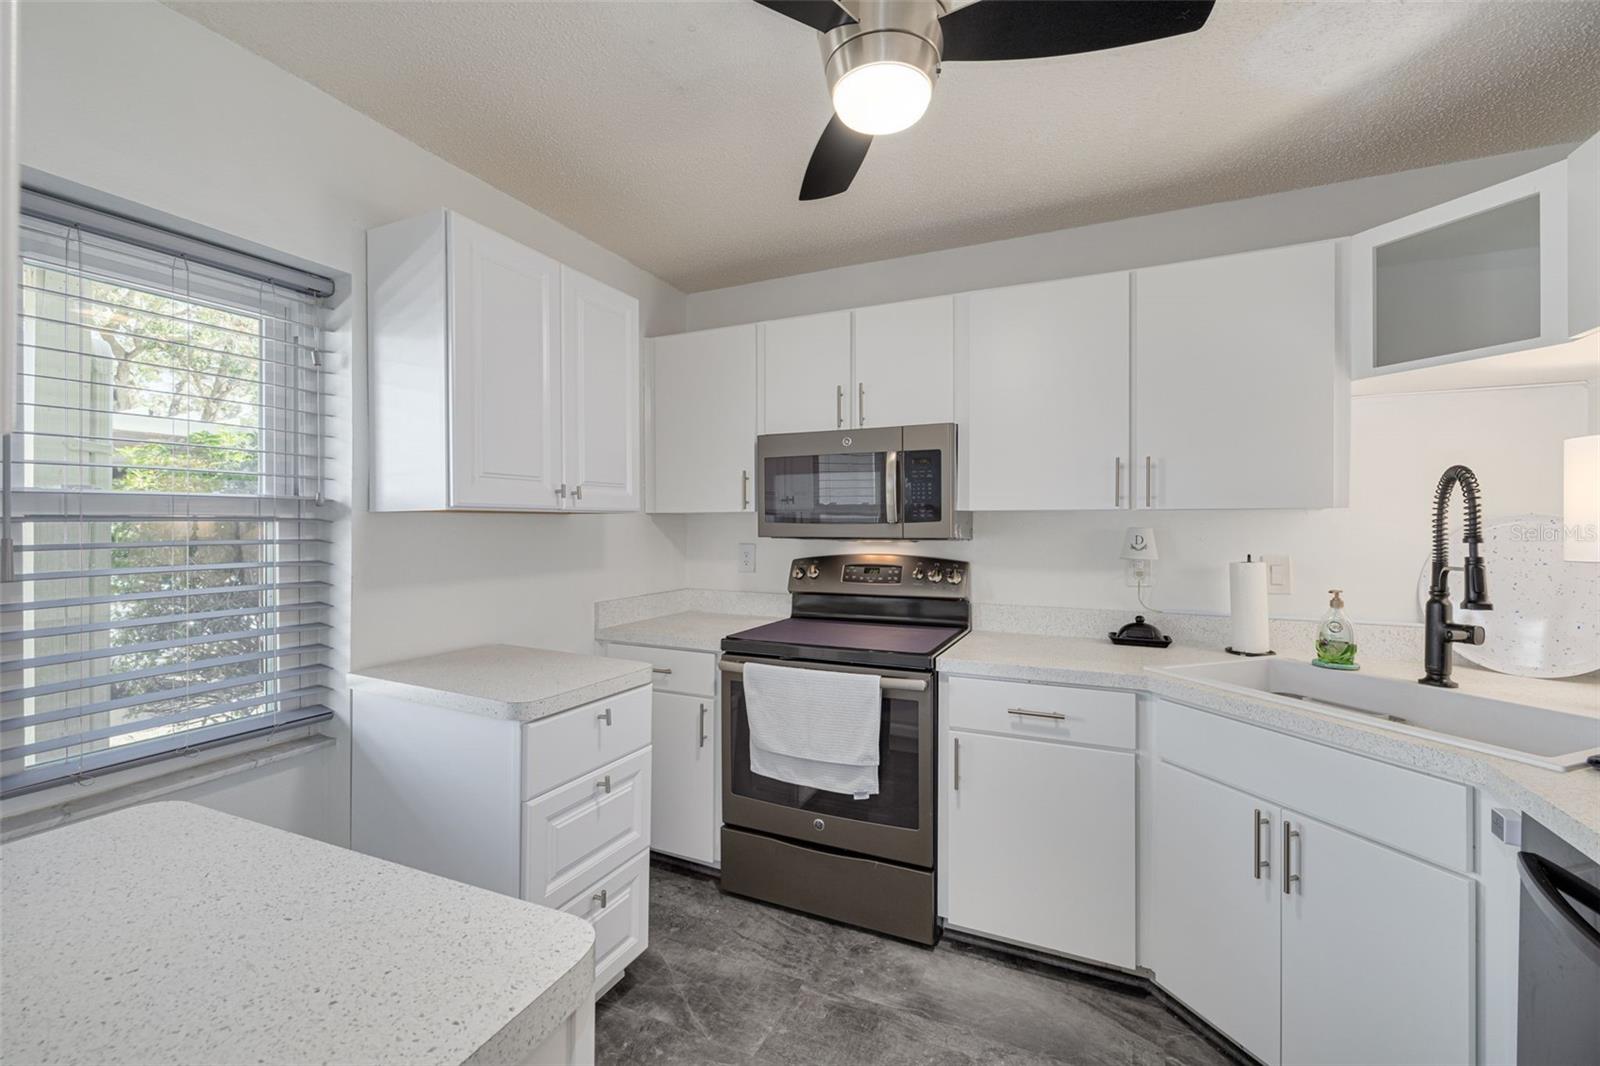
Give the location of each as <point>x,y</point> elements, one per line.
<point>1374,549</point>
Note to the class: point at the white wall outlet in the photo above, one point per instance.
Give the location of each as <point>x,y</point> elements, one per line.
<point>747,558</point>
<point>1141,572</point>
<point>1279,575</point>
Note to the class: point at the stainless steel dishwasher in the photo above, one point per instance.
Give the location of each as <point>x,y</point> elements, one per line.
<point>1558,967</point>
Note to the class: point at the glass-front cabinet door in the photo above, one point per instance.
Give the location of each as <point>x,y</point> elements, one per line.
<point>1481,275</point>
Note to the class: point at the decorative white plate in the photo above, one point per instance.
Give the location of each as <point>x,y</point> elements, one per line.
<point>1546,617</point>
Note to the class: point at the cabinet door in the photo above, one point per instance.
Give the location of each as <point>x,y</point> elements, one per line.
<point>1044,375</point>
<point>574,834</point>
<point>1213,937</point>
<point>1377,954</point>
<point>904,363</point>
<point>618,906</point>
<point>805,373</point>
<point>1583,237</point>
<point>505,372</point>
<point>1039,845</point>
<point>1239,398</point>
<point>704,421</point>
<point>600,382</point>
<point>685,776</point>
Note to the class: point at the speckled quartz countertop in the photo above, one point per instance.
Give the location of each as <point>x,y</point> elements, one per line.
<point>685,630</point>
<point>171,933</point>
<point>504,680</point>
<point>1567,803</point>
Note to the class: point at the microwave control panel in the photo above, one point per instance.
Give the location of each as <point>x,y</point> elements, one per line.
<point>924,486</point>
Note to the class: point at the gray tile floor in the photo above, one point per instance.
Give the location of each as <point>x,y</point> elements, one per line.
<point>727,980</point>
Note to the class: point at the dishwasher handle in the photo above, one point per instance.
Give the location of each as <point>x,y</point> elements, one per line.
<point>1548,885</point>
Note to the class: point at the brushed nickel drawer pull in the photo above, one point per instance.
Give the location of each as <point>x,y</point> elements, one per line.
<point>1290,880</point>
<point>664,671</point>
<point>605,716</point>
<point>1256,825</point>
<point>601,897</point>
<point>1024,713</point>
<point>605,783</point>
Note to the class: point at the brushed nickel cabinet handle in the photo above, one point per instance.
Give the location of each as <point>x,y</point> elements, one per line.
<point>1117,481</point>
<point>605,716</point>
<point>1025,713</point>
<point>1290,880</point>
<point>561,490</point>
<point>861,403</point>
<point>1257,823</point>
<point>703,736</point>
<point>577,492</point>
<point>664,671</point>
<point>601,898</point>
<point>838,406</point>
<point>1149,490</point>
<point>605,783</point>
<point>744,490</point>
<point>957,768</point>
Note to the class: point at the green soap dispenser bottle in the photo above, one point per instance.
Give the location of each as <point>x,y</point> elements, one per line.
<point>1336,637</point>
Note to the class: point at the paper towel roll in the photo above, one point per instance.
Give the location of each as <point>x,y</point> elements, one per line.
<point>1247,599</point>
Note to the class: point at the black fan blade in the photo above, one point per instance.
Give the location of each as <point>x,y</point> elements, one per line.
<point>820,15</point>
<point>834,162</point>
<point>1033,29</point>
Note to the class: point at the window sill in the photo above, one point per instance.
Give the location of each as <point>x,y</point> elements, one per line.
<point>49,815</point>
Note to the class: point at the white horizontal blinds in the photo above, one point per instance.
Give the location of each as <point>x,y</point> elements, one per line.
<point>169,549</point>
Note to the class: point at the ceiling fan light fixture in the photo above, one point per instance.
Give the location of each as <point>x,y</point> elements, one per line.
<point>881,98</point>
<point>881,80</point>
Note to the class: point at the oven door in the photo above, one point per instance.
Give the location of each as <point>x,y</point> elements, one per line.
<point>896,824</point>
<point>843,484</point>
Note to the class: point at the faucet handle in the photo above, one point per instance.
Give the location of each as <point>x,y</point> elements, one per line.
<point>1457,633</point>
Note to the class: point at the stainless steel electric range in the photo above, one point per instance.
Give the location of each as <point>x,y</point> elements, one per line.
<point>866,862</point>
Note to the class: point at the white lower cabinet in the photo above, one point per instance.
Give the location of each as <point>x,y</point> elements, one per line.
<point>1214,937</point>
<point>685,776</point>
<point>1306,943</point>
<point>1371,934</point>
<point>574,833</point>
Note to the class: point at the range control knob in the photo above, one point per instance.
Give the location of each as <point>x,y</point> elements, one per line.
<point>917,573</point>
<point>812,571</point>
<point>935,574</point>
<point>956,577</point>
<point>797,573</point>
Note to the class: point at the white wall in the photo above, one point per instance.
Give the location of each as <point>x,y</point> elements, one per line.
<point>1372,549</point>
<point>134,100</point>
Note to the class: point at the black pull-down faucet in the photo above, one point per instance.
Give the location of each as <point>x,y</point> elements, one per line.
<point>1441,632</point>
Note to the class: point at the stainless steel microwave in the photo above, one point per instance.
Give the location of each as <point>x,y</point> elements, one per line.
<point>893,483</point>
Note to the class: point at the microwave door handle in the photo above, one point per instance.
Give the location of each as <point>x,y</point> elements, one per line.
<point>891,487</point>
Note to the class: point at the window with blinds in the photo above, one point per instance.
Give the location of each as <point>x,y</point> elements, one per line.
<point>167,543</point>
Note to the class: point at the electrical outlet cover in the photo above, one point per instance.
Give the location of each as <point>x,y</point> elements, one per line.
<point>1279,575</point>
<point>1140,572</point>
<point>747,558</point>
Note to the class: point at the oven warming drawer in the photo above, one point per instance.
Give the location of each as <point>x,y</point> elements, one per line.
<point>896,900</point>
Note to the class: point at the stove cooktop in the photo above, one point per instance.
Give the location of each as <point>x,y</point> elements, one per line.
<point>885,644</point>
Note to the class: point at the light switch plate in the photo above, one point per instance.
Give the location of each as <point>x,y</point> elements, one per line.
<point>1280,576</point>
<point>747,558</point>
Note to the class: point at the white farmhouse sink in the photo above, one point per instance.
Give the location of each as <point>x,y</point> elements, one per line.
<point>1555,740</point>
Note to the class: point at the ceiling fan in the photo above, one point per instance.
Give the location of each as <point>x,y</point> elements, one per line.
<point>882,57</point>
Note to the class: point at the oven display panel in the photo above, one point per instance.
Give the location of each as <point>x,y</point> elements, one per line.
<point>860,574</point>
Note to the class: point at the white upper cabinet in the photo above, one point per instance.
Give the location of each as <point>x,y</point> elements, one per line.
<point>499,380</point>
<point>1240,399</point>
<point>1583,237</point>
<point>704,423</point>
<point>1484,274</point>
<point>1042,396</point>
<point>904,367</point>
<point>600,379</point>
<point>805,373</point>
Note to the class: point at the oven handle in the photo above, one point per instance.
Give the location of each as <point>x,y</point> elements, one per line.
<point>888,684</point>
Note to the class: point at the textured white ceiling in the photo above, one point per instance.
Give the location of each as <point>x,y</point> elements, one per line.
<point>675,132</point>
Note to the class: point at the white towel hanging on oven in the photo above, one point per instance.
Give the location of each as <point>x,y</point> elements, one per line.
<point>814,728</point>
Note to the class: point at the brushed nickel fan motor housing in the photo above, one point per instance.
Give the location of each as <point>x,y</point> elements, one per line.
<point>885,31</point>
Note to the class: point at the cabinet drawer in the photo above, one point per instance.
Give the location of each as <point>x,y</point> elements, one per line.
<point>575,834</point>
<point>1423,815</point>
<point>618,906</point>
<point>564,746</point>
<point>1046,712</point>
<point>693,673</point>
